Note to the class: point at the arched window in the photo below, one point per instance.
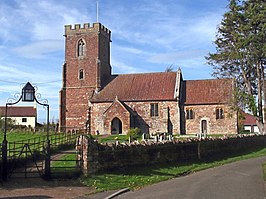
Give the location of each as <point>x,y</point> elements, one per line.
<point>81,74</point>
<point>81,47</point>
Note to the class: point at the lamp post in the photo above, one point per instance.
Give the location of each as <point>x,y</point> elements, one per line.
<point>27,95</point>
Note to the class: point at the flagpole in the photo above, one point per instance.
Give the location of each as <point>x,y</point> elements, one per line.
<point>97,11</point>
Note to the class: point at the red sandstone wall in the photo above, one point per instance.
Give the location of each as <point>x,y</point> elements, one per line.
<point>228,125</point>
<point>96,66</point>
<point>139,117</point>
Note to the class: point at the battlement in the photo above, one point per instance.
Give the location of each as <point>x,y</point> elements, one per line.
<point>69,29</point>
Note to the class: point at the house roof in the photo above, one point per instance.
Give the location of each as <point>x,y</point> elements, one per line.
<point>211,91</point>
<point>139,87</point>
<point>249,119</point>
<point>18,111</point>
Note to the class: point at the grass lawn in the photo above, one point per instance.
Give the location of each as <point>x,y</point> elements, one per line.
<point>137,177</point>
<point>111,138</point>
<point>65,167</point>
<point>17,136</point>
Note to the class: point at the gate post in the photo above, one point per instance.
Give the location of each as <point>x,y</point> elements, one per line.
<point>4,160</point>
<point>47,168</point>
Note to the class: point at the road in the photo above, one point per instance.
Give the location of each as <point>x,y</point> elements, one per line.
<point>238,180</point>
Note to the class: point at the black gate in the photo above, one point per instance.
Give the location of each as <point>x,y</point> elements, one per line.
<point>33,158</point>
<point>67,163</point>
<point>26,160</point>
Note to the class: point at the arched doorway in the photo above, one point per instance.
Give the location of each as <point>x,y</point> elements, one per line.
<point>204,128</point>
<point>116,126</point>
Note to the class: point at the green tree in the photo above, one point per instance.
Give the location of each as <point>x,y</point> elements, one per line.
<point>134,133</point>
<point>241,54</point>
<point>9,122</point>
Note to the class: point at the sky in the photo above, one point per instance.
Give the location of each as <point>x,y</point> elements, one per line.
<point>147,36</point>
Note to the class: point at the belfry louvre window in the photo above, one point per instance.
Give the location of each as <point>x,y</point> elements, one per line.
<point>81,74</point>
<point>190,114</point>
<point>81,47</point>
<point>154,110</point>
<point>219,113</point>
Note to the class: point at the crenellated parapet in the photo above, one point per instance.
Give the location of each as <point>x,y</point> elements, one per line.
<point>86,28</point>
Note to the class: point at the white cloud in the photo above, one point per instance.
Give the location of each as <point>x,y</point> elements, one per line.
<point>174,57</point>
<point>119,67</point>
<point>132,50</point>
<point>39,49</point>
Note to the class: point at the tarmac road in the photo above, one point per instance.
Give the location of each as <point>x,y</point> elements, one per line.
<point>239,180</point>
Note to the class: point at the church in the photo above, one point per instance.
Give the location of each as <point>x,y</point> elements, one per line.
<point>94,100</point>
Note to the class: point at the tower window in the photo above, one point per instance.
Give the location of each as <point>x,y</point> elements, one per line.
<point>81,47</point>
<point>154,110</point>
<point>219,113</point>
<point>81,74</point>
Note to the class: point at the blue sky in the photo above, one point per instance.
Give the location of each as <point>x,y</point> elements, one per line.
<point>147,36</point>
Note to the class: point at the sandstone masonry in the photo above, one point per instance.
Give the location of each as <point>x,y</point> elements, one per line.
<point>99,102</point>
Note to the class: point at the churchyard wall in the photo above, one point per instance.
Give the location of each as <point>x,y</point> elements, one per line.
<point>104,157</point>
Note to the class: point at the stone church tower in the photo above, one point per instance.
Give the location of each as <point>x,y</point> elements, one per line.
<point>86,71</point>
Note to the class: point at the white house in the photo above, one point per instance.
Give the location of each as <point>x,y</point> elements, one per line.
<point>22,115</point>
<point>250,123</point>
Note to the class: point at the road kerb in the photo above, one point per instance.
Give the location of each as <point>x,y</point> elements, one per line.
<point>117,193</point>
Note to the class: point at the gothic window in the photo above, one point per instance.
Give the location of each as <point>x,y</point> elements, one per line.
<point>81,48</point>
<point>190,114</point>
<point>154,110</point>
<point>81,74</point>
<point>219,113</point>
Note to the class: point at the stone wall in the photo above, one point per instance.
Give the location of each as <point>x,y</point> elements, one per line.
<point>99,157</point>
<point>136,114</point>
<point>227,125</point>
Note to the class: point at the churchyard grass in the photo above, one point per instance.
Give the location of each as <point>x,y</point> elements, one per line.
<point>137,177</point>
<point>17,136</point>
<point>111,138</point>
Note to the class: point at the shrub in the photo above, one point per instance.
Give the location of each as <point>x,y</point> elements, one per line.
<point>134,133</point>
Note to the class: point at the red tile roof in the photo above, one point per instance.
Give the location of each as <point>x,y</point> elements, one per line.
<point>161,86</point>
<point>18,111</point>
<point>249,119</point>
<point>211,91</point>
<point>139,87</point>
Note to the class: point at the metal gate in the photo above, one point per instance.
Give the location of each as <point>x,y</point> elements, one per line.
<point>26,160</point>
<point>39,157</point>
<point>67,163</point>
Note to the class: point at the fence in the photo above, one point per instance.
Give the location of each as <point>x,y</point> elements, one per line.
<point>26,157</point>
<point>37,144</point>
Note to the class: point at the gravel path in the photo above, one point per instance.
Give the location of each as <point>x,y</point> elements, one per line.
<point>41,189</point>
